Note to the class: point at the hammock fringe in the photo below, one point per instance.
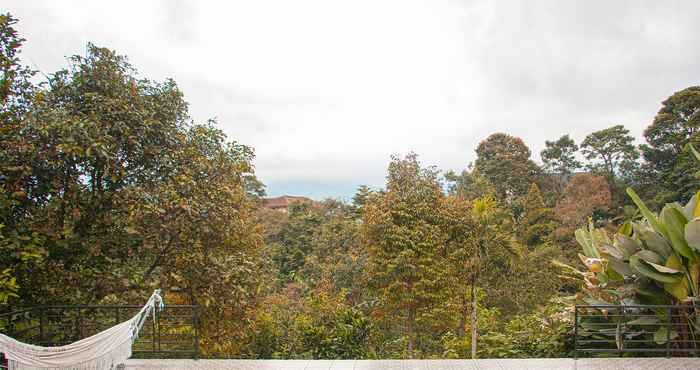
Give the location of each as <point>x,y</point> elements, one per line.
<point>103,351</point>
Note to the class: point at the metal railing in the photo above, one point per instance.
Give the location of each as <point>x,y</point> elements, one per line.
<point>173,334</point>
<point>639,329</point>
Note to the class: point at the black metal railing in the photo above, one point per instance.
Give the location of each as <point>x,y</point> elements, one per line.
<point>173,333</point>
<point>639,329</point>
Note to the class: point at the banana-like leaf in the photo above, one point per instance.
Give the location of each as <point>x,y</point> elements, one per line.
<point>626,245</point>
<point>664,269</point>
<point>692,208</point>
<point>678,289</point>
<point>692,234</point>
<point>568,267</point>
<point>625,229</point>
<point>674,222</point>
<point>611,250</point>
<point>585,239</point>
<point>654,241</point>
<point>644,320</point>
<point>662,335</point>
<point>651,294</point>
<point>649,256</point>
<point>639,262</point>
<point>694,271</point>
<point>620,267</point>
<point>650,216</point>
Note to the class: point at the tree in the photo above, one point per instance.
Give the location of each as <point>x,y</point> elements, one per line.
<point>668,165</point>
<point>402,233</point>
<point>468,185</point>
<point>294,242</point>
<point>487,239</point>
<point>559,157</point>
<point>584,196</point>
<point>537,222</point>
<point>109,184</point>
<point>505,161</point>
<point>22,249</point>
<point>612,152</point>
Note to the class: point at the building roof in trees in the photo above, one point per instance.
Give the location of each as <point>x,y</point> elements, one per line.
<point>282,202</point>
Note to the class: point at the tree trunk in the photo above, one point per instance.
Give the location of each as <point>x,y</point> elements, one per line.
<point>474,316</point>
<point>410,330</point>
<point>463,317</point>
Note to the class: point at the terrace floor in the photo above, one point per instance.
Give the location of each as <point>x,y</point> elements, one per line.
<point>510,364</point>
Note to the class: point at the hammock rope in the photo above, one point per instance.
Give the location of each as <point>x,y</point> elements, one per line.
<point>104,350</point>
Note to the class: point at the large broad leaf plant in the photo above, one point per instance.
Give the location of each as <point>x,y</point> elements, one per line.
<point>654,260</point>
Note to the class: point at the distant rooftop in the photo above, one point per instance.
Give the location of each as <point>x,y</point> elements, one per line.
<point>282,202</point>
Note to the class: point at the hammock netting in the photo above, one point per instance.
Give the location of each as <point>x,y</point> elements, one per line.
<point>104,350</point>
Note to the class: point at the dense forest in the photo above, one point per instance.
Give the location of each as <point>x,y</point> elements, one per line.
<point>108,190</point>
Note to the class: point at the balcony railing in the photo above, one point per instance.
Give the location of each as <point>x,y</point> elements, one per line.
<point>173,334</point>
<point>637,329</point>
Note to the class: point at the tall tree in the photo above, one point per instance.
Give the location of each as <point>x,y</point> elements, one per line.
<point>559,157</point>
<point>487,238</point>
<point>294,241</point>
<point>402,232</point>
<point>120,192</point>
<point>585,195</point>
<point>668,164</point>
<point>537,222</point>
<point>611,151</point>
<point>21,248</point>
<point>505,161</point>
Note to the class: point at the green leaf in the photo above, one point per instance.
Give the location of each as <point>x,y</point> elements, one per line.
<point>627,245</point>
<point>625,229</point>
<point>644,320</point>
<point>664,269</point>
<point>692,234</point>
<point>640,265</point>
<point>620,267</point>
<point>678,289</point>
<point>654,241</point>
<point>692,208</point>
<point>585,239</point>
<point>662,335</point>
<point>674,222</point>
<point>651,217</point>
<point>649,256</point>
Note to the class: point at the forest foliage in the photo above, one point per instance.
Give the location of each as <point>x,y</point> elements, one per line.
<point>109,189</point>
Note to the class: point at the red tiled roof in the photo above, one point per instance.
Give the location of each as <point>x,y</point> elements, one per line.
<point>283,201</point>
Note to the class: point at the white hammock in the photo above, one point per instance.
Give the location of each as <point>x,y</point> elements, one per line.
<point>104,350</point>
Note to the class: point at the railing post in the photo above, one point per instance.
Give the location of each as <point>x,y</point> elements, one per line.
<point>153,335</point>
<point>158,327</point>
<point>575,332</point>
<point>621,347</point>
<point>195,324</point>
<point>42,319</point>
<point>81,333</point>
<point>668,332</point>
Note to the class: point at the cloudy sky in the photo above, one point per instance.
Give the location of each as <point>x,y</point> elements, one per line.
<point>325,91</point>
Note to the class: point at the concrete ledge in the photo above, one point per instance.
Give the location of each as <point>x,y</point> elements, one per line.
<point>509,364</point>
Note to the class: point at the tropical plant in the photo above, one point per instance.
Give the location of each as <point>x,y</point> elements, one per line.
<point>655,260</point>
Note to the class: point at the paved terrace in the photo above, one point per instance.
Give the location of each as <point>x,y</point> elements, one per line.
<point>517,364</point>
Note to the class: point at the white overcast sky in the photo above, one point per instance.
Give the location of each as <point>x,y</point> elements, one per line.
<point>325,91</point>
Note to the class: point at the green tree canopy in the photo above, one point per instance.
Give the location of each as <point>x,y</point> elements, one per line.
<point>401,230</point>
<point>669,167</point>
<point>505,161</point>
<point>611,151</point>
<point>559,156</point>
